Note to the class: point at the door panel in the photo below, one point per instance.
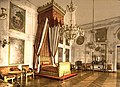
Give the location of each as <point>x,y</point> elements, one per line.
<point>118,57</point>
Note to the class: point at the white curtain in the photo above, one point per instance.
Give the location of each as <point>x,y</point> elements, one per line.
<point>53,39</point>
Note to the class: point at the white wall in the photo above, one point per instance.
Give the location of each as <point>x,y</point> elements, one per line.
<point>111,43</point>
<point>28,36</point>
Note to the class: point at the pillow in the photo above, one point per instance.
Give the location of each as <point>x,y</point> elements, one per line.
<point>45,63</point>
<point>11,69</point>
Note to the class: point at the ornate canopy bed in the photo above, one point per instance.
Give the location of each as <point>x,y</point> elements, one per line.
<point>45,52</point>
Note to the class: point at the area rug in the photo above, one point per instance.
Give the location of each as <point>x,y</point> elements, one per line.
<point>58,78</point>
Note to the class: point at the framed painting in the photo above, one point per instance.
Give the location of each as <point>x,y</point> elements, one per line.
<point>17,18</point>
<point>101,35</point>
<point>80,40</point>
<point>16,51</point>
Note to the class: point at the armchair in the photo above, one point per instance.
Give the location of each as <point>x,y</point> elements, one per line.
<point>27,71</point>
<point>78,65</point>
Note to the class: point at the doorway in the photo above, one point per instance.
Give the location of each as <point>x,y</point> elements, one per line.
<point>118,57</point>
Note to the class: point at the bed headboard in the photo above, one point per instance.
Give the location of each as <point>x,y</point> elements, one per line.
<point>45,59</point>
<point>64,68</point>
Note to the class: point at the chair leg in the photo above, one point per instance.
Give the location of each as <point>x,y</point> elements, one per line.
<point>33,75</point>
<point>5,79</point>
<point>12,80</point>
<point>26,78</point>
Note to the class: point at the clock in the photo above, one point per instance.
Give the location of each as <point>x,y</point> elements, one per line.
<point>80,40</point>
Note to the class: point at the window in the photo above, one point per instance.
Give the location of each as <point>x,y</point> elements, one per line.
<point>67,55</point>
<point>67,42</point>
<point>61,40</point>
<point>60,54</point>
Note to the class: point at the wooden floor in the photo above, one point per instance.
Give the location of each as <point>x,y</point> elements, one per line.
<point>83,79</point>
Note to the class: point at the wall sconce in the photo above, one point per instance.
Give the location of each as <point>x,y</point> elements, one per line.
<point>4,42</point>
<point>87,52</point>
<point>3,14</point>
<point>110,51</point>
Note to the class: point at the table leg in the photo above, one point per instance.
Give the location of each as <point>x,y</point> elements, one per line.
<point>17,84</point>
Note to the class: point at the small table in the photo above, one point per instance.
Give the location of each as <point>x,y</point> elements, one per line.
<point>87,66</point>
<point>16,73</point>
<point>109,66</point>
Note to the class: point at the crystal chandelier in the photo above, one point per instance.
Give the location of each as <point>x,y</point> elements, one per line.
<point>70,30</point>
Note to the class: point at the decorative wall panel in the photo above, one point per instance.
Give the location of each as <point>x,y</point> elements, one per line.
<point>16,51</point>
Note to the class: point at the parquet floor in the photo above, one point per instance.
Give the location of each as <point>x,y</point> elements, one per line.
<point>83,79</point>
